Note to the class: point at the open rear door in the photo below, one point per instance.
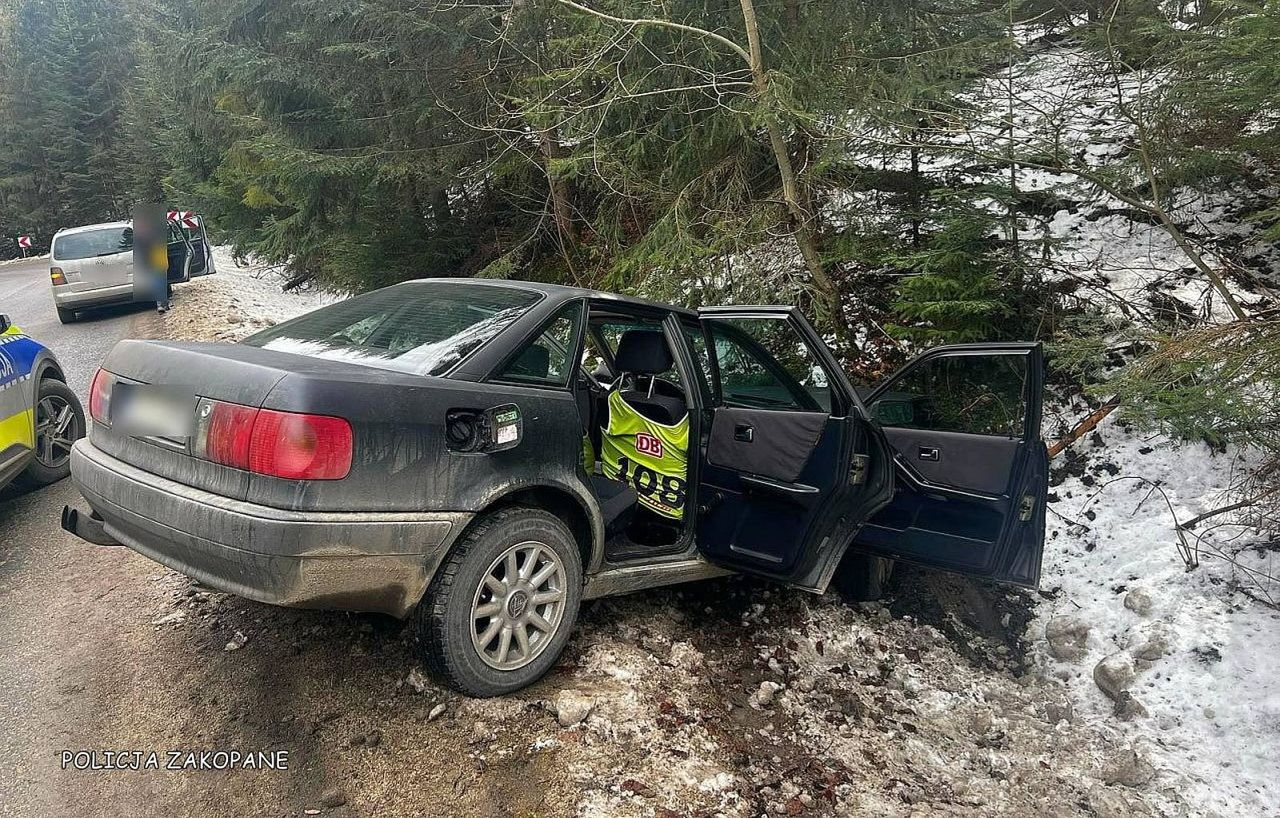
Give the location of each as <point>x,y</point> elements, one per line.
<point>971,470</point>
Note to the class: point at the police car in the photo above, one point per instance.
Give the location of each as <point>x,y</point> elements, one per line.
<point>482,456</point>
<point>40,417</point>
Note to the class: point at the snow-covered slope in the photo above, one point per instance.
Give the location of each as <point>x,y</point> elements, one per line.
<point>1204,652</point>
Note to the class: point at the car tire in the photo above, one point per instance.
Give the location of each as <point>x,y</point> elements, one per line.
<point>66,316</point>
<point>862,577</point>
<point>53,396</point>
<point>476,626</point>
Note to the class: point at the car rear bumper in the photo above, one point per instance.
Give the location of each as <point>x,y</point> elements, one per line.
<point>67,298</point>
<point>341,560</point>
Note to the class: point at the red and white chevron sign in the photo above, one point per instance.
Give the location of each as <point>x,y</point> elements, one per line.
<point>186,218</point>
<point>24,242</point>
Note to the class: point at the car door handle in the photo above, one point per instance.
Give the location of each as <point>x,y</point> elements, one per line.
<point>930,453</point>
<point>744,433</point>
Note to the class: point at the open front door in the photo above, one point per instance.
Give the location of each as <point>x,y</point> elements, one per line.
<point>971,470</point>
<point>792,465</point>
<point>203,265</point>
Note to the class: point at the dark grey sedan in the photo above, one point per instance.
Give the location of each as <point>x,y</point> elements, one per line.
<point>483,455</point>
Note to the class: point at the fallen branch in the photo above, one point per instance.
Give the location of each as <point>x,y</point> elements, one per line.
<point>1085,426</point>
<point>1190,524</point>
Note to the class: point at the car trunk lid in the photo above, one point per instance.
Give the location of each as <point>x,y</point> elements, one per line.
<point>379,405</point>
<point>225,372</point>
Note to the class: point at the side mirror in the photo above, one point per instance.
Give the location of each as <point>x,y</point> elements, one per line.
<point>5,323</point>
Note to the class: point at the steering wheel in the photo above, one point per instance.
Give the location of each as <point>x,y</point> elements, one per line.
<point>592,379</point>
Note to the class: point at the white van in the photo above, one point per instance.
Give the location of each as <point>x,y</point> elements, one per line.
<point>92,266</point>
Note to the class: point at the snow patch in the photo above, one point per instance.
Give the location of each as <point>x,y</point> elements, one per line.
<point>1206,653</point>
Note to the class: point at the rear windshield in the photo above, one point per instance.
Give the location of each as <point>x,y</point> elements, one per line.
<point>424,327</point>
<point>103,242</point>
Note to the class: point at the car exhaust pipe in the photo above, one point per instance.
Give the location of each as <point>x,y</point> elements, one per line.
<point>87,527</point>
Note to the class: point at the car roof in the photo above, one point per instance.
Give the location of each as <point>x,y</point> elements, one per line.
<point>560,292</point>
<point>67,231</point>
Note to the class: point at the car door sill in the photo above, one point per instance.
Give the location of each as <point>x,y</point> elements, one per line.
<point>629,578</point>
<point>756,555</point>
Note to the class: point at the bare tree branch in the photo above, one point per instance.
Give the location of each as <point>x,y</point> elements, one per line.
<point>659,23</point>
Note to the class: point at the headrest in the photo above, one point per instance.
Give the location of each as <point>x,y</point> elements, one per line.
<point>534,362</point>
<point>643,352</point>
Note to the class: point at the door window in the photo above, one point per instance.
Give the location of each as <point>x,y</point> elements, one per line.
<point>764,363</point>
<point>972,394</point>
<point>697,341</point>
<point>546,360</point>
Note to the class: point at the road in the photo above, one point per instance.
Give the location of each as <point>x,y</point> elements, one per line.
<point>30,545</point>
<point>25,298</point>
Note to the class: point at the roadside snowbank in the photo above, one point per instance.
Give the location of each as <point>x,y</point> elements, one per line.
<point>234,302</point>
<point>8,261</point>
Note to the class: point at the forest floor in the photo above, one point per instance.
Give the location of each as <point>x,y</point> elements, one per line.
<point>733,696</point>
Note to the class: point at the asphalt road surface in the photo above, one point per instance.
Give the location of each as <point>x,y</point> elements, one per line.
<point>32,661</point>
<point>25,298</point>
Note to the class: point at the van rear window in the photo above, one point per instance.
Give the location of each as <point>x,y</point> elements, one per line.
<point>426,327</point>
<point>104,242</point>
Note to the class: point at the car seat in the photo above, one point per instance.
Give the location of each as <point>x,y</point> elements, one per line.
<point>645,353</point>
<point>646,444</point>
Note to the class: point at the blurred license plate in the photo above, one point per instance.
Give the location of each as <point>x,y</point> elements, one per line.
<point>152,411</point>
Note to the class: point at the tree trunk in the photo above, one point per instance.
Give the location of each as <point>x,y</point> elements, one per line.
<point>561,191</point>
<point>1203,266</point>
<point>801,219</point>
<point>915,202</point>
<point>440,209</point>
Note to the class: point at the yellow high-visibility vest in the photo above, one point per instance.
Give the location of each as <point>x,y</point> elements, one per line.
<point>652,457</point>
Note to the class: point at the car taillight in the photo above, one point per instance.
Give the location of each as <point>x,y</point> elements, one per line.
<point>229,434</point>
<point>56,276</point>
<point>290,445</point>
<point>300,447</point>
<point>100,396</point>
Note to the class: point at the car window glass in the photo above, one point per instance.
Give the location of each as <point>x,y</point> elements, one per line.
<point>545,361</point>
<point>425,327</point>
<point>697,340</point>
<point>976,394</point>
<point>765,364</point>
<point>103,242</point>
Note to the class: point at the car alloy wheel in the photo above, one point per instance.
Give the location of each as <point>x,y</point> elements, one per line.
<point>56,431</point>
<point>518,606</point>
